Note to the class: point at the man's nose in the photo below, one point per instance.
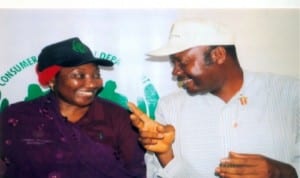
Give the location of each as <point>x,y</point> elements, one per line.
<point>177,71</point>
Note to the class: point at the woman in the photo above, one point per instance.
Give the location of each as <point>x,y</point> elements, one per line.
<point>69,132</point>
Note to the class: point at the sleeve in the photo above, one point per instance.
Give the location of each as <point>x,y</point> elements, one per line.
<point>9,169</point>
<point>2,163</point>
<point>174,169</point>
<point>131,151</point>
<point>296,160</point>
<point>167,113</point>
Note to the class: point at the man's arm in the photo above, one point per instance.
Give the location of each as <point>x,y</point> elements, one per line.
<point>253,165</point>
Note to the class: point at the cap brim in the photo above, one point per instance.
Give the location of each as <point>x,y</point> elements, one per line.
<point>98,61</point>
<point>169,49</point>
<point>102,62</point>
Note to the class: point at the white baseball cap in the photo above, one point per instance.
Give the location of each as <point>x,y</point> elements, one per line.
<point>190,33</point>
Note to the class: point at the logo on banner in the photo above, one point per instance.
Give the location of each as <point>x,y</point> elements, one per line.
<point>147,103</point>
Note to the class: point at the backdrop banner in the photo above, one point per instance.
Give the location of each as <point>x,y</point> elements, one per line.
<point>268,40</point>
<point>121,36</point>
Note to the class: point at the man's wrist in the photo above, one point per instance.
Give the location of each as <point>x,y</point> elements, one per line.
<point>288,171</point>
<point>166,157</point>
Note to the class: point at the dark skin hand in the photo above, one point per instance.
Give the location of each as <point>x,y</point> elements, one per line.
<point>154,136</point>
<point>239,165</point>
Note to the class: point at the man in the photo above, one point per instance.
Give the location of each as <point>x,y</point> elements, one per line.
<point>229,122</point>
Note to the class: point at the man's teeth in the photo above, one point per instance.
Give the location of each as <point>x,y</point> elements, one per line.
<point>180,83</point>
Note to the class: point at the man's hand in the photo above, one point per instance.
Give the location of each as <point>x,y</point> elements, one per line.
<point>154,136</point>
<point>239,165</point>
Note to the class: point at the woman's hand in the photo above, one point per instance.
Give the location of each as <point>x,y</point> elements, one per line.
<point>154,136</point>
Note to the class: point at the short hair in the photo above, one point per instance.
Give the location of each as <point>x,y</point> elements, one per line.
<point>230,49</point>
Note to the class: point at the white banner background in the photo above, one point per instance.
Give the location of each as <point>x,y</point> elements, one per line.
<point>267,40</point>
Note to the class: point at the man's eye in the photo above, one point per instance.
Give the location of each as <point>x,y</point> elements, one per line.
<point>183,64</point>
<point>184,61</point>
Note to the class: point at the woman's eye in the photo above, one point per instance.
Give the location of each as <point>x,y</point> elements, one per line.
<point>83,76</point>
<point>97,76</point>
<point>77,76</point>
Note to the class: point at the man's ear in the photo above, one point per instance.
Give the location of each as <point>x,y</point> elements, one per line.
<point>218,55</point>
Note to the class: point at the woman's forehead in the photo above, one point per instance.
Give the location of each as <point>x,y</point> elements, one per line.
<point>83,66</point>
<point>87,68</point>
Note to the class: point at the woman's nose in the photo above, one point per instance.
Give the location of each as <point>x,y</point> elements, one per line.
<point>93,82</point>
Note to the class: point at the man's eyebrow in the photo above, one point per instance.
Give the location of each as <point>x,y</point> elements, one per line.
<point>173,58</point>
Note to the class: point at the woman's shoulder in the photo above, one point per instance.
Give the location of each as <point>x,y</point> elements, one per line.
<point>108,110</point>
<point>24,107</point>
<point>109,105</point>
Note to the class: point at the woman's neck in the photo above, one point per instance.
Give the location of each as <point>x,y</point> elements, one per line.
<point>72,113</point>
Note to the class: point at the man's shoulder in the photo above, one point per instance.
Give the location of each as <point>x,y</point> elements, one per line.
<point>176,99</point>
<point>272,76</point>
<point>268,78</point>
<point>175,95</point>
<point>273,83</point>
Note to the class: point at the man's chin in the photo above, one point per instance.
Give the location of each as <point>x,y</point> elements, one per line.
<point>193,92</point>
<point>190,92</point>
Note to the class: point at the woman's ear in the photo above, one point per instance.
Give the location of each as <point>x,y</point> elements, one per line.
<point>218,55</point>
<point>51,84</point>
